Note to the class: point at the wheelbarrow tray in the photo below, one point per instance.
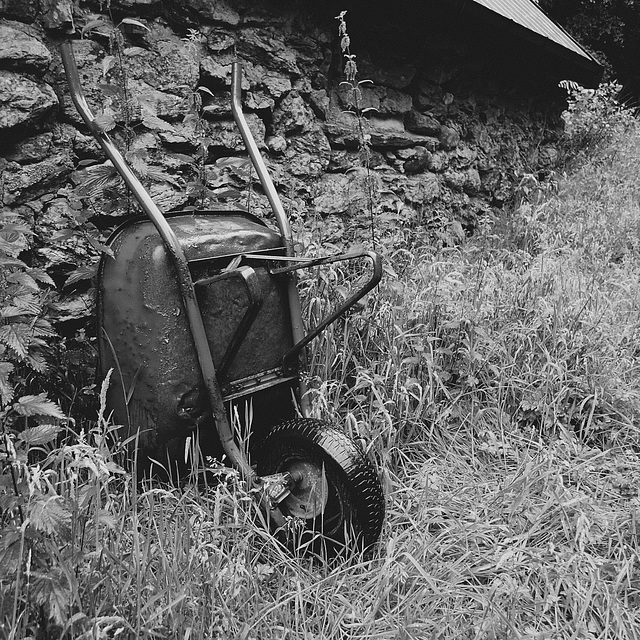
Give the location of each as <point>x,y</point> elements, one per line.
<point>143,332</point>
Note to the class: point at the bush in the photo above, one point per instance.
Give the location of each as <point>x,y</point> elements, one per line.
<point>593,117</point>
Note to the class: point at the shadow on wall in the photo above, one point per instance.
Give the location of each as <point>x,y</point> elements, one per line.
<point>458,108</point>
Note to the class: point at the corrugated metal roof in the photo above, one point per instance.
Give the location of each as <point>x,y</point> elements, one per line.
<point>530,16</point>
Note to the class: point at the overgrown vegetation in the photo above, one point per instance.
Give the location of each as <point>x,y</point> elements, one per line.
<point>495,380</point>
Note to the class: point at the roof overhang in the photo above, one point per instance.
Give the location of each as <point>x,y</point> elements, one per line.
<point>527,21</point>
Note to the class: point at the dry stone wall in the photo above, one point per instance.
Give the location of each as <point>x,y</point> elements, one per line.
<point>448,139</point>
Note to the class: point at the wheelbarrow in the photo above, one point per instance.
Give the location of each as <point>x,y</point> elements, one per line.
<point>199,320</point>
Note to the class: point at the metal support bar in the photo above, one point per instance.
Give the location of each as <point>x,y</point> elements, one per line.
<point>177,257</point>
<point>376,276</point>
<point>254,296</point>
<point>306,263</point>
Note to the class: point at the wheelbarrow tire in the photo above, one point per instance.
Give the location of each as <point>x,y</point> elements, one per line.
<point>352,513</point>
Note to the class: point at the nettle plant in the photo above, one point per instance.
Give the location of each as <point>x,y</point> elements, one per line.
<point>54,483</point>
<point>23,300</point>
<point>356,107</point>
<point>26,420</point>
<point>52,480</point>
<point>126,115</point>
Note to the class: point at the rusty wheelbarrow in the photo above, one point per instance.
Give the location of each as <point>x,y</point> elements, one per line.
<point>200,321</point>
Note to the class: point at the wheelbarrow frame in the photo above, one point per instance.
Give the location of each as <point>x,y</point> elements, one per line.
<point>289,265</point>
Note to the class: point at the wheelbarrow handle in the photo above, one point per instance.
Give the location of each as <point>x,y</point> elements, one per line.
<point>295,312</point>
<point>111,151</point>
<point>256,158</point>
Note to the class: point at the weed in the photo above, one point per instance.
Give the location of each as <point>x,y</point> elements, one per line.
<point>355,100</point>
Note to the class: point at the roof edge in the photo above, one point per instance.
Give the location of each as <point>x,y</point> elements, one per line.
<point>591,69</point>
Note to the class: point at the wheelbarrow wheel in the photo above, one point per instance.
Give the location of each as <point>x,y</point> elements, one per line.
<point>336,504</point>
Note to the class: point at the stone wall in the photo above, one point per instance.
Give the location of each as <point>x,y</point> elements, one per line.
<point>453,120</point>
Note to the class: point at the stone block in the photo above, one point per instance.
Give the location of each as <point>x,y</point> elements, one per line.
<point>293,115</point>
<point>276,144</point>
<point>390,132</point>
<point>395,102</point>
<point>266,48</point>
<point>218,11</point>
<point>319,101</point>
<point>31,149</point>
<point>23,10</point>
<point>418,161</point>
<point>428,96</point>
<point>438,162</point>
<point>422,123</point>
<point>169,65</point>
<point>23,102</point>
<point>21,51</point>
<point>455,180</point>
<point>32,180</point>
<point>472,184</point>
<point>57,14</point>
<point>309,154</point>
<point>224,133</point>
<point>449,138</point>
<point>384,100</point>
<point>422,189</point>
<point>157,103</point>
<point>343,193</point>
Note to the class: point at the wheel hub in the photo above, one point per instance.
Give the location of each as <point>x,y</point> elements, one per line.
<point>309,494</point>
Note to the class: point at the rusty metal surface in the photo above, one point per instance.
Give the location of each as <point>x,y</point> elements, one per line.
<point>157,384</point>
<point>223,304</point>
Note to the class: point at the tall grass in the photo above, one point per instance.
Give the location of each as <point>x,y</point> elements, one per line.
<point>496,383</point>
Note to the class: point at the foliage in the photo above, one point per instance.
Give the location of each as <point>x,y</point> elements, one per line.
<point>198,188</point>
<point>496,383</point>
<point>593,117</point>
<point>114,64</point>
<point>25,419</point>
<point>601,21</point>
<point>127,115</point>
<point>57,506</point>
<point>122,115</point>
<point>23,299</point>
